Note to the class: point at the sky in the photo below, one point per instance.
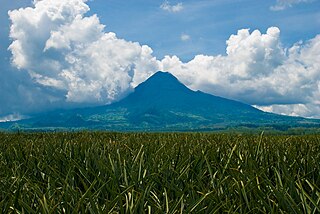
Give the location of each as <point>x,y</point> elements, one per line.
<point>59,54</point>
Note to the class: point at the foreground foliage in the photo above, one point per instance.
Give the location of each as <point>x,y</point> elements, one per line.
<point>91,172</point>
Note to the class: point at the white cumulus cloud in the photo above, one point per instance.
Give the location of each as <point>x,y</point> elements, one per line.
<point>63,49</point>
<point>256,69</point>
<point>171,8</point>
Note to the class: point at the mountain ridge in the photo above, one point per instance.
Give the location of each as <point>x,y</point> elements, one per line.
<point>162,103</point>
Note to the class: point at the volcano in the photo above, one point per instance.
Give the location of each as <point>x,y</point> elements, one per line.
<point>163,103</point>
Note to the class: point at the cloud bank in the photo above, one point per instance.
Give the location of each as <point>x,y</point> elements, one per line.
<point>257,70</point>
<point>63,49</point>
<point>11,117</point>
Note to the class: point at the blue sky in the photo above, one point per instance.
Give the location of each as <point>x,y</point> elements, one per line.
<point>208,22</point>
<point>274,68</point>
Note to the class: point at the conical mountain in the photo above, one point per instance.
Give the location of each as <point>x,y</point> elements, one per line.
<point>161,103</point>
<point>161,90</point>
<point>164,92</point>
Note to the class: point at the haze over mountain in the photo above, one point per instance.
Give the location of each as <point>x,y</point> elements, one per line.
<point>161,103</point>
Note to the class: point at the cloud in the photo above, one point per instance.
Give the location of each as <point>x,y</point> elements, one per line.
<point>257,70</point>
<point>12,117</point>
<point>171,8</point>
<point>284,4</point>
<point>62,48</point>
<point>73,59</point>
<point>185,37</point>
<point>309,110</point>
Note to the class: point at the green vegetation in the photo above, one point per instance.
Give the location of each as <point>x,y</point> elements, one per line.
<point>162,103</point>
<point>98,172</point>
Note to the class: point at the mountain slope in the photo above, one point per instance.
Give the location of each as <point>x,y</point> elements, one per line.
<point>162,94</point>
<point>164,103</point>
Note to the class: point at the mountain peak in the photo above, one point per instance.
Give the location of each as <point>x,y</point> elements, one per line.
<point>163,74</point>
<point>161,81</point>
<point>162,102</point>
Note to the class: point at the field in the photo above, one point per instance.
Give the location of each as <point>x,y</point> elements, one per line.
<point>100,172</point>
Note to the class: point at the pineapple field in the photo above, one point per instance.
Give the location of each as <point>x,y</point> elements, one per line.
<point>106,172</point>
